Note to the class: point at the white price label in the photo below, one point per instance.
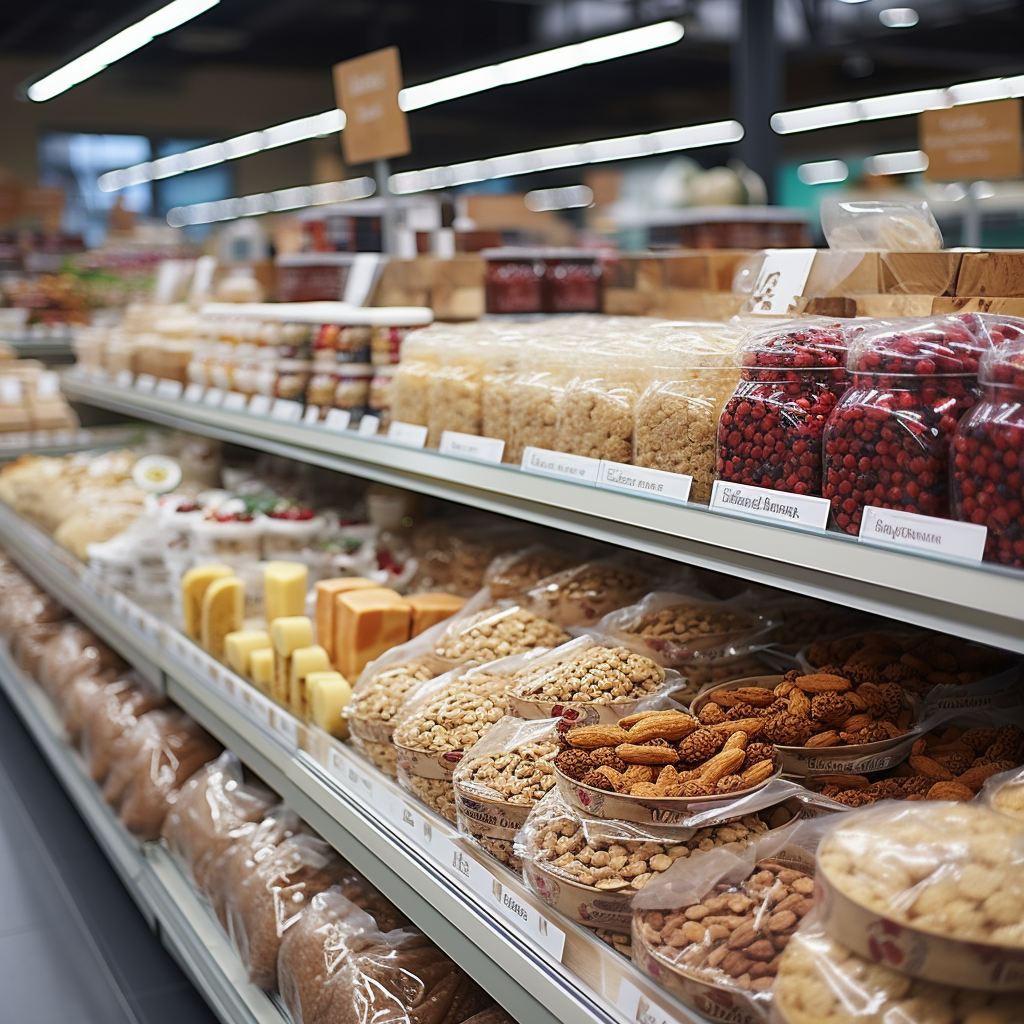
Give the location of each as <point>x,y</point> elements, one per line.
<point>194,393</point>
<point>655,483</point>
<point>214,397</point>
<point>48,384</point>
<point>420,829</point>
<point>369,425</point>
<point>908,531</point>
<point>145,382</point>
<point>640,1008</point>
<point>124,378</point>
<point>351,776</point>
<point>338,419</point>
<point>287,410</point>
<point>311,417</point>
<point>780,281</point>
<point>410,434</point>
<point>169,389</point>
<point>260,708</point>
<point>467,446</point>
<point>234,401</point>
<point>542,462</point>
<point>98,373</point>
<point>259,405</point>
<point>771,506</point>
<point>286,727</point>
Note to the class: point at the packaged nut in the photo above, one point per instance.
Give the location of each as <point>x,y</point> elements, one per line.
<point>621,942</point>
<point>820,981</point>
<point>801,620</point>
<point>582,596</point>
<point>1005,793</point>
<point>535,394</point>
<point>513,576</point>
<point>410,399</point>
<point>935,890</point>
<point>591,869</point>
<point>437,794</point>
<point>712,928</point>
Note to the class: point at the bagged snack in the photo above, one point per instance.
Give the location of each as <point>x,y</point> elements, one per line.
<point>212,809</point>
<point>456,389</point>
<point>26,605</point>
<point>115,709</point>
<point>410,399</point>
<point>513,576</point>
<point>535,395</point>
<point>585,594</point>
<point>904,225</point>
<point>933,889</point>
<point>73,652</point>
<point>590,869</point>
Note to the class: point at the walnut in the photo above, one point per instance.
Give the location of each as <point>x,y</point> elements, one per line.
<point>788,730</point>
<point>869,734</point>
<point>738,711</point>
<point>892,695</point>
<point>693,788</point>
<point>956,763</point>
<point>700,745</point>
<point>979,739</point>
<point>574,763</point>
<point>598,780</point>
<point>757,752</point>
<point>872,697</point>
<point>831,709</point>
<point>898,672</point>
<point>607,755</point>
<point>859,673</point>
<point>1008,744</point>
<point>729,783</point>
<point>711,714</point>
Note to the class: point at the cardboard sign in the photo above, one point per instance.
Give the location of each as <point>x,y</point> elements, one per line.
<point>978,141</point>
<point>366,88</point>
<point>781,281</point>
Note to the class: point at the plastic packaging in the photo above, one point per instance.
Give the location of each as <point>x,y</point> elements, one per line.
<point>934,889</point>
<point>456,390</point>
<point>770,430</point>
<point>495,394</point>
<point>905,225</point>
<point>514,575</point>
<point>535,395</point>
<point>115,710</point>
<point>583,595</point>
<point>74,652</point>
<point>988,451</point>
<point>410,393</point>
<point>887,443</point>
<point>28,606</point>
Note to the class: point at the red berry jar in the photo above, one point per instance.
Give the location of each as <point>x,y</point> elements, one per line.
<point>572,281</point>
<point>987,463</point>
<point>769,433</point>
<point>514,280</point>
<point>887,443</point>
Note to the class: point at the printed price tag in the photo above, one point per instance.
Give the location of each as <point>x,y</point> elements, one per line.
<point>311,417</point>
<point>781,281</point>
<point>194,393</point>
<point>214,397</point>
<point>421,830</point>
<point>234,401</point>
<point>412,435</point>
<point>169,389</point>
<point>638,1007</point>
<point>338,419</point>
<point>908,531</point>
<point>145,382</point>
<point>467,446</point>
<point>98,373</point>
<point>124,378</point>
<point>351,776</point>
<point>541,462</point>
<point>287,410</point>
<point>286,727</point>
<point>260,708</point>
<point>259,405</point>
<point>48,384</point>
<point>655,483</point>
<point>770,506</point>
<point>369,425</point>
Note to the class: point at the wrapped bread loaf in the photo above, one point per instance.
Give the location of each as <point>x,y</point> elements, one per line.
<point>114,709</point>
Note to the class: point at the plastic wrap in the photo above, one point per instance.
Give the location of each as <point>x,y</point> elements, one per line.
<point>25,606</point>
<point>888,225</point>
<point>114,710</point>
<point>410,395</point>
<point>211,812</point>
<point>456,390</point>
<point>152,759</point>
<point>535,395</point>
<point>590,869</point>
<point>582,595</point>
<point>935,890</point>
<point>78,699</point>
<point>1004,793</point>
<point>495,394</point>
<point>73,651</point>
<point>514,575</point>
<point>711,928</point>
<point>29,645</point>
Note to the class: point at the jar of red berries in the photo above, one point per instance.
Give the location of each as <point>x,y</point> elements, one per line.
<point>887,443</point>
<point>987,463</point>
<point>769,433</point>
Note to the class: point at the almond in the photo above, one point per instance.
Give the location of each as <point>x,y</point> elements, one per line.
<point>590,737</point>
<point>930,768</point>
<point>950,791</point>
<point>822,682</point>
<point>824,739</point>
<point>633,753</point>
<point>757,773</point>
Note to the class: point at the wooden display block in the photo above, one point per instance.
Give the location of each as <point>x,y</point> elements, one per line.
<point>991,273</point>
<point>837,273</point>
<point>920,273</point>
<point>1012,305</point>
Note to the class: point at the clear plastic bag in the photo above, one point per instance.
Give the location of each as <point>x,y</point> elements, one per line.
<point>456,390</point>
<point>115,709</point>
<point>585,594</point>
<point>535,394</point>
<point>514,575</point>
<point>26,605</point>
<point>74,651</point>
<point>410,395</point>
<point>886,225</point>
<point>30,644</point>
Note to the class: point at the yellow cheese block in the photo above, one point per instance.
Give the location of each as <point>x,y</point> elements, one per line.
<point>193,587</point>
<point>238,648</point>
<point>284,589</point>
<point>287,635</point>
<point>303,661</point>
<point>329,692</point>
<point>261,669</point>
<point>326,592</point>
<point>223,613</point>
<point>368,623</point>
<point>430,609</point>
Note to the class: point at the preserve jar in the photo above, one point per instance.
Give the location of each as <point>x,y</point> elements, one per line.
<point>572,281</point>
<point>514,281</point>
<point>887,443</point>
<point>769,434</point>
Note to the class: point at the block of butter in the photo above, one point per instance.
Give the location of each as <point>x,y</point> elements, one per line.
<point>303,661</point>
<point>329,692</point>
<point>284,589</point>
<point>223,613</point>
<point>326,592</point>
<point>287,635</point>
<point>238,648</point>
<point>261,669</point>
<point>368,623</point>
<point>193,588</point>
<point>430,609</point>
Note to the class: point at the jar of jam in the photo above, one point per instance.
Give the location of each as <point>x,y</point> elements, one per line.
<point>887,443</point>
<point>352,388</point>
<point>514,281</point>
<point>987,464</point>
<point>572,281</point>
<point>770,430</point>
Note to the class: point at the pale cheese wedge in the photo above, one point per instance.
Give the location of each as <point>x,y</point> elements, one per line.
<point>238,648</point>
<point>223,613</point>
<point>302,662</point>
<point>329,693</point>
<point>193,588</point>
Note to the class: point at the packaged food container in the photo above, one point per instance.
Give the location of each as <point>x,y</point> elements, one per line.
<point>291,379</point>
<point>291,530</point>
<point>887,443</point>
<point>496,388</point>
<point>410,397</point>
<point>352,388</point>
<point>535,394</point>
<point>231,537</point>
<point>572,281</point>
<point>514,280</point>
<point>988,453</point>
<point>770,430</point>
<point>386,345</point>
<point>337,343</point>
<point>456,390</point>
<point>290,340</point>
<point>382,385</point>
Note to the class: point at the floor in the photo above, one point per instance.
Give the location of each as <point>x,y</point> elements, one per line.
<point>74,948</point>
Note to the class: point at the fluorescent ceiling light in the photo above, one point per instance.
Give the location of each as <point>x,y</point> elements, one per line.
<point>128,40</point>
<point>910,161</point>
<point>899,104</point>
<point>822,172</point>
<point>415,97</point>
<point>271,202</point>
<point>624,148</point>
<point>898,17</point>
<point>571,197</point>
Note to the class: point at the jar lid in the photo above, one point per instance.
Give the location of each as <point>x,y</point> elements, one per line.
<point>798,344</point>
<point>932,346</point>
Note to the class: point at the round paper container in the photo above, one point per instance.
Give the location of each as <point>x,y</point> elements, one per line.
<point>900,947</point>
<point>669,810</point>
<point>855,759</point>
<point>583,903</point>
<point>586,712</point>
<point>371,729</point>
<point>722,1002</point>
<point>428,764</point>
<point>490,819</point>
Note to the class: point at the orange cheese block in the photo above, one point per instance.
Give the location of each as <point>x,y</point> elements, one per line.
<point>193,587</point>
<point>326,592</point>
<point>430,609</point>
<point>223,613</point>
<point>366,624</point>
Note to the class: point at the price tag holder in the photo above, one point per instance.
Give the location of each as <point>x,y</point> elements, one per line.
<point>652,483</point>
<point>234,401</point>
<point>770,506</point>
<point>286,410</point>
<point>194,393</point>
<point>169,389</point>
<point>370,425</point>
<point>260,708</point>
<point>578,468</point>
<point>907,531</point>
<point>351,776</point>
<point>467,446</point>
<point>421,831</point>
<point>638,1007</point>
<point>124,378</point>
<point>412,435</point>
<point>214,398</point>
<point>259,405</point>
<point>48,384</point>
<point>338,419</point>
<point>285,726</point>
<point>145,382</point>
<point>311,417</point>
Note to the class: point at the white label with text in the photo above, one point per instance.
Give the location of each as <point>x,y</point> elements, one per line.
<point>542,462</point>
<point>614,476</point>
<point>311,416</point>
<point>124,378</point>
<point>234,401</point>
<point>909,531</point>
<point>776,506</point>
<point>780,281</point>
<point>287,410</point>
<point>338,419</point>
<point>351,776</point>
<point>145,382</point>
<point>411,434</point>
<point>286,727</point>
<point>637,1007</point>
<point>169,389</point>
<point>369,425</point>
<point>214,397</point>
<point>194,393</point>
<point>259,405</point>
<point>468,446</point>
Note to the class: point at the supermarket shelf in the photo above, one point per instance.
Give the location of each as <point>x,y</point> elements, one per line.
<point>985,604</point>
<point>66,442</point>
<point>45,349</point>
<point>167,901</point>
<point>456,894</point>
